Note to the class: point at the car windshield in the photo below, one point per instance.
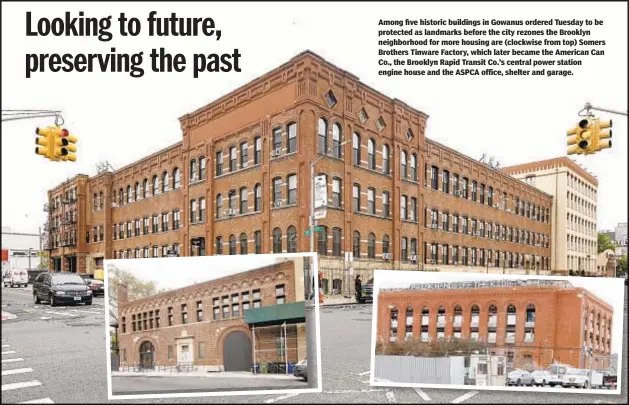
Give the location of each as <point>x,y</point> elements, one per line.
<point>577,372</point>
<point>63,279</point>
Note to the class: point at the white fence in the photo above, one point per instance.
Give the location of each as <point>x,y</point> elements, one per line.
<point>420,370</point>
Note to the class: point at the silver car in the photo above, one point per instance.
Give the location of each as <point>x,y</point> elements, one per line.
<point>520,377</point>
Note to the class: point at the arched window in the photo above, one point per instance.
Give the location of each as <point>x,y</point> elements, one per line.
<point>219,205</point>
<point>385,245</point>
<point>385,159</point>
<point>120,196</point>
<point>441,322</point>
<point>393,325</point>
<point>257,190</point>
<point>244,155</point>
<point>356,244</point>
<point>336,140</point>
<point>323,135</point>
<point>95,202</point>
<point>371,246</point>
<point>155,185</point>
<point>257,241</point>
<point>356,149</point>
<point>457,322</point>
<point>232,245</point>
<point>165,182</point>
<point>425,324</point>
<point>511,324</point>
<point>100,200</point>
<point>277,240</point>
<point>128,194</point>
<point>193,170</point>
<point>403,172</point>
<point>176,178</point>
<point>136,191</point>
<point>219,246</point>
<point>413,164</point>
<point>474,322</point>
<point>291,133</point>
<point>145,186</point>
<point>322,241</point>
<point>408,333</point>
<point>243,244</point>
<point>202,209</point>
<point>371,154</point>
<point>291,236</point>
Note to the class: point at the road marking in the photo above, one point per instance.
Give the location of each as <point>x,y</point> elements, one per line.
<point>364,373</point>
<point>352,391</point>
<point>60,313</point>
<point>9,352</point>
<point>5,346</point>
<point>464,397</point>
<point>422,394</point>
<point>15,386</point>
<point>17,371</point>
<point>391,397</point>
<point>87,312</point>
<point>12,360</point>
<point>39,401</point>
<point>271,400</point>
<point>45,318</point>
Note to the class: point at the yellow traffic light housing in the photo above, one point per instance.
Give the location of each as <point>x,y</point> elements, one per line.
<point>580,137</point>
<point>56,144</point>
<point>68,146</point>
<point>45,140</point>
<point>603,134</point>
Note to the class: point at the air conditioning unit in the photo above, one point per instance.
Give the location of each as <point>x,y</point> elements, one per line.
<point>414,258</point>
<point>432,261</point>
<point>277,204</point>
<point>434,226</point>
<point>386,256</point>
<point>231,212</point>
<point>245,164</point>
<point>277,152</point>
<point>457,193</point>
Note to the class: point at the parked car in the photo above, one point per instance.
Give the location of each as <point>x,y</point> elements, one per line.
<point>15,277</point>
<point>61,288</point>
<point>576,378</point>
<point>520,377</point>
<point>610,381</point>
<point>301,370</point>
<point>366,292</point>
<point>541,377</point>
<point>97,287</point>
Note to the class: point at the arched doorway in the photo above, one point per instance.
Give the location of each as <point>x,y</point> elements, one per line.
<point>237,352</point>
<point>147,355</point>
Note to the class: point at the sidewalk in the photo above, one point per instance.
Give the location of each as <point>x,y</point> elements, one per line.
<point>7,315</point>
<point>202,374</point>
<point>338,300</point>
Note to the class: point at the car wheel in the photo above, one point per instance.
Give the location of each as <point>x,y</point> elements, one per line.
<point>36,298</point>
<point>518,383</point>
<point>52,300</point>
<point>88,302</point>
<point>543,383</point>
<point>585,385</point>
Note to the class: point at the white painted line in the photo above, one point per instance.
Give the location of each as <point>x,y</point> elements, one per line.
<point>464,397</point>
<point>271,400</point>
<point>391,397</point>
<point>38,401</point>
<point>352,391</point>
<point>87,312</point>
<point>364,373</point>
<point>45,318</point>
<point>9,352</point>
<point>422,394</point>
<point>60,313</point>
<point>11,360</point>
<point>17,371</point>
<point>15,386</point>
<point>5,346</point>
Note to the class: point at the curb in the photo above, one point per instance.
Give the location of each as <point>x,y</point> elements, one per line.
<point>209,375</point>
<point>8,316</point>
<point>345,305</point>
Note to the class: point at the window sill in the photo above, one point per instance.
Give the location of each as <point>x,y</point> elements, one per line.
<point>242,169</point>
<point>284,156</point>
<point>372,171</point>
<point>294,205</point>
<point>366,214</point>
<point>248,214</point>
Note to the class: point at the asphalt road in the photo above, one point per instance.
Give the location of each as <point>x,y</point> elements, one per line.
<point>66,353</point>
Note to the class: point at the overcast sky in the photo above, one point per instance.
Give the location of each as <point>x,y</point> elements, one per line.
<point>177,272</point>
<point>121,119</point>
<point>610,290</point>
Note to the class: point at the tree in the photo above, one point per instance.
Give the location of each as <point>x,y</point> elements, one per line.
<point>604,242</point>
<point>136,288</point>
<point>621,269</point>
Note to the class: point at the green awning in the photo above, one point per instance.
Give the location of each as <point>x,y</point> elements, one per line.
<point>294,312</point>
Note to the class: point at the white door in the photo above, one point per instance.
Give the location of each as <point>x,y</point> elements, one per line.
<point>186,355</point>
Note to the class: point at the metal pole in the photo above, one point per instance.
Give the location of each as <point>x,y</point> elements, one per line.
<point>285,349</point>
<point>253,333</point>
<point>312,202</point>
<point>589,106</point>
<point>30,252</point>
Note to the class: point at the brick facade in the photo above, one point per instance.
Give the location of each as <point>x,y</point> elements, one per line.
<point>258,202</point>
<point>544,323</point>
<point>161,318</point>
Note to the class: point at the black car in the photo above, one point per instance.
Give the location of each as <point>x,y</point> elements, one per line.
<point>97,287</point>
<point>367,292</point>
<point>61,288</point>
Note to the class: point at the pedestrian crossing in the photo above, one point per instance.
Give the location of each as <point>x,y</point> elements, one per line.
<point>16,378</point>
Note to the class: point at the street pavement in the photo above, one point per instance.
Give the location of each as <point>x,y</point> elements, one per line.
<point>65,348</point>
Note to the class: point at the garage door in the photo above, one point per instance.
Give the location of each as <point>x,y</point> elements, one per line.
<point>237,352</point>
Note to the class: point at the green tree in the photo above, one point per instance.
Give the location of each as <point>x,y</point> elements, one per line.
<point>621,269</point>
<point>136,288</point>
<point>604,242</point>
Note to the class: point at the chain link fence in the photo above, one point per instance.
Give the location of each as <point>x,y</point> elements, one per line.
<point>278,348</point>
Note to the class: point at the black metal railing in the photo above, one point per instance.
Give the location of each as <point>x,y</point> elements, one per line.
<point>154,367</point>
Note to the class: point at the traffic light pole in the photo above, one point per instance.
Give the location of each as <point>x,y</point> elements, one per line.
<point>14,115</point>
<point>589,107</point>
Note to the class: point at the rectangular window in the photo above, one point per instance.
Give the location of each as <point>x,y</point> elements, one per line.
<point>257,156</point>
<point>176,218</point>
<point>292,189</point>
<point>356,198</point>
<point>277,139</point>
<point>385,204</point>
<point>336,193</point>
<point>199,311</point>
<point>292,138</point>
<point>244,155</point>
<point>233,154</point>
<point>193,211</point>
<point>277,192</point>
<point>371,201</point>
<point>434,177</point>
<point>219,163</point>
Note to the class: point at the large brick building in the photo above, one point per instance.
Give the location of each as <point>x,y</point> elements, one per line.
<point>212,324</point>
<point>575,192</point>
<point>528,321</point>
<point>239,183</point>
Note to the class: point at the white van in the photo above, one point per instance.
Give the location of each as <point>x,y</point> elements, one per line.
<point>15,277</point>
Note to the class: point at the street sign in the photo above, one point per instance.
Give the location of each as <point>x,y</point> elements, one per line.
<point>316,229</point>
<point>320,213</point>
<point>321,192</point>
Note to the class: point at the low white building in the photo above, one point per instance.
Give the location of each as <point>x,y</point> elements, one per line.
<point>487,371</point>
<point>23,249</point>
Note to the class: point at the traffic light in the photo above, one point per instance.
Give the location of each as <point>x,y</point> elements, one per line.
<point>45,140</point>
<point>68,145</point>
<point>580,137</point>
<point>602,135</point>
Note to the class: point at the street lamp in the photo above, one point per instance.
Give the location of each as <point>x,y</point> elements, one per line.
<point>312,190</point>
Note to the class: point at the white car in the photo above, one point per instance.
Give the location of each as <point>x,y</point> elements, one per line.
<point>520,377</point>
<point>576,378</point>
<point>541,377</point>
<point>15,277</point>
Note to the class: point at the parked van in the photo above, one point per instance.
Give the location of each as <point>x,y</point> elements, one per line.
<point>15,277</point>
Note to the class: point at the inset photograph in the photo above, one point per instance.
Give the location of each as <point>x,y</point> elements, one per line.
<point>212,325</point>
<point>497,332</point>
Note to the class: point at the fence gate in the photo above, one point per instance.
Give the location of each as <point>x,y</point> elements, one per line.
<point>237,352</point>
